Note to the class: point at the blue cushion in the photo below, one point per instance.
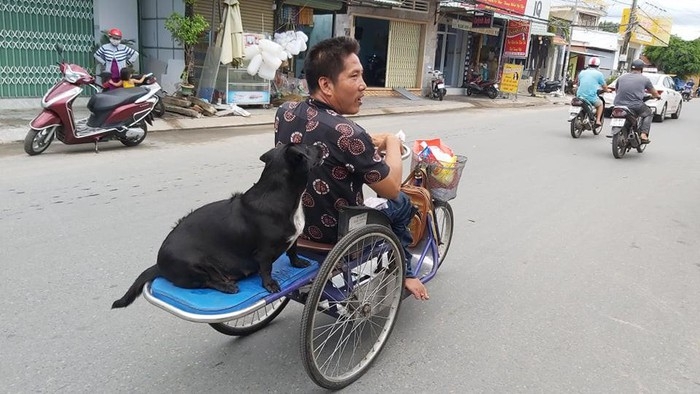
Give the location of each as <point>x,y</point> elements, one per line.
<point>214,302</point>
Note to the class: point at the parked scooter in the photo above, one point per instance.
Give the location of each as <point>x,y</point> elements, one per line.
<point>625,131</point>
<point>544,85</point>
<point>437,85</point>
<point>570,87</point>
<point>582,116</point>
<point>119,114</point>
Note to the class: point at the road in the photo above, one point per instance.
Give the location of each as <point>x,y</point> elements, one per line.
<point>570,271</point>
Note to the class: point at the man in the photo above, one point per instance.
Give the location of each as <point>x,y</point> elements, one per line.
<point>334,77</point>
<point>630,90</point>
<point>590,81</point>
<point>114,55</point>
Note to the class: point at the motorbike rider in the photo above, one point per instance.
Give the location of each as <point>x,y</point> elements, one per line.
<point>590,81</point>
<point>630,90</point>
<point>114,55</point>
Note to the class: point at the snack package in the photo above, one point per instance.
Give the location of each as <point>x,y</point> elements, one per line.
<point>442,162</point>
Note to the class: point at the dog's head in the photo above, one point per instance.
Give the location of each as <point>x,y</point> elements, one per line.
<point>295,158</point>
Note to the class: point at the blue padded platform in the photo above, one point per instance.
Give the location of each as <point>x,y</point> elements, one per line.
<point>214,302</point>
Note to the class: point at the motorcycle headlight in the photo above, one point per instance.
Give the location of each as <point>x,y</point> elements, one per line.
<point>495,85</point>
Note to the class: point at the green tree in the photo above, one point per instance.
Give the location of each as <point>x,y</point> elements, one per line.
<point>608,26</point>
<point>187,30</point>
<point>680,57</point>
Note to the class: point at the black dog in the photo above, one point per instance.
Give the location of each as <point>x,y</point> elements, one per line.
<point>225,241</point>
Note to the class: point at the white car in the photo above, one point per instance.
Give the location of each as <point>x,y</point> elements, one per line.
<point>669,104</point>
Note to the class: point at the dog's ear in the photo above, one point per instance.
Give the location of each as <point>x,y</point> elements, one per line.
<point>267,156</point>
<point>296,154</point>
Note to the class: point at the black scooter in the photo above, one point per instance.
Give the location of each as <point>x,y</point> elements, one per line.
<point>544,85</point>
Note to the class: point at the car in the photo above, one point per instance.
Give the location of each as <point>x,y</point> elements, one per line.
<point>669,104</point>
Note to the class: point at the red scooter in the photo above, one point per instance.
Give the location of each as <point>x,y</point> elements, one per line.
<point>119,114</point>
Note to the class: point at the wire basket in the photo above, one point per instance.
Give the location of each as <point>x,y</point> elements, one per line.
<point>443,178</point>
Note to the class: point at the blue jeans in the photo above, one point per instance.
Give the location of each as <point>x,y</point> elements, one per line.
<point>400,212</point>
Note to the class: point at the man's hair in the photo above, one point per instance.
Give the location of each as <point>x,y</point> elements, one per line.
<point>326,59</point>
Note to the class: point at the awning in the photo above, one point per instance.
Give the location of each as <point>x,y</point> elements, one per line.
<point>328,5</point>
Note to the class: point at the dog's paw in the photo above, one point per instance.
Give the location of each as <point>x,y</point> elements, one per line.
<point>300,263</point>
<point>225,287</point>
<point>272,286</point>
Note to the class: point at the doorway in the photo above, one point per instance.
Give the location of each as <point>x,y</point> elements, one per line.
<point>373,36</point>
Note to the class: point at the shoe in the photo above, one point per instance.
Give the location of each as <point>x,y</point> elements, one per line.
<point>645,140</point>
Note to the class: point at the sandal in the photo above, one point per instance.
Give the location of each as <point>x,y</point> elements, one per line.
<point>645,140</point>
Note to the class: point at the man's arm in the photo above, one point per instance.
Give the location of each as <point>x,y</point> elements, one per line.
<point>390,186</point>
<point>650,88</point>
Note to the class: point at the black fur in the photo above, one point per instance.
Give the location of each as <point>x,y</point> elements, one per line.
<point>224,241</point>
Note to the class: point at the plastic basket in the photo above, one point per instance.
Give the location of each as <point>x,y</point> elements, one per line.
<point>443,178</point>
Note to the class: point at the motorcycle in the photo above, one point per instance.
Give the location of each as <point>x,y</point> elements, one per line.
<point>582,116</point>
<point>687,92</point>
<point>480,86</point>
<point>437,85</point>
<point>544,85</point>
<point>119,114</point>
<point>625,131</point>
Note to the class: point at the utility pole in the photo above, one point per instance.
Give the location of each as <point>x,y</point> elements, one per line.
<point>565,64</point>
<point>628,35</point>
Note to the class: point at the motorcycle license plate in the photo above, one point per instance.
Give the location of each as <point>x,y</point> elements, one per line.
<point>617,122</point>
<point>573,110</point>
<point>441,86</point>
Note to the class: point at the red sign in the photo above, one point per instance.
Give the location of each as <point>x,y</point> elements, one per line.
<point>504,6</point>
<point>517,39</point>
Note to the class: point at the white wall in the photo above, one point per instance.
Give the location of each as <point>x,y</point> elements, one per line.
<point>594,38</point>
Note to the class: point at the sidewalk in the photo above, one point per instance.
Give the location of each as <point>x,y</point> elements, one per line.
<point>14,123</point>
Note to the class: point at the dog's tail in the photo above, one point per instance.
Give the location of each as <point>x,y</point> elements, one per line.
<point>135,289</point>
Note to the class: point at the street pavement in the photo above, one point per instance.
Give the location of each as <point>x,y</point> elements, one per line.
<point>14,123</point>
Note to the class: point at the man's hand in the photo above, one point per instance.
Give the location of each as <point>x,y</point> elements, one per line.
<point>379,140</point>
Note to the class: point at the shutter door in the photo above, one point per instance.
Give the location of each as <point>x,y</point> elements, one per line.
<point>257,16</point>
<point>403,53</point>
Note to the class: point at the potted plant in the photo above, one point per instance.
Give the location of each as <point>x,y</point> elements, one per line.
<point>187,30</point>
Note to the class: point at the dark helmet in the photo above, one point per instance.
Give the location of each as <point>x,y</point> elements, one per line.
<point>637,64</point>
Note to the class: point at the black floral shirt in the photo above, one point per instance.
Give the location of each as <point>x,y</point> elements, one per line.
<point>349,161</point>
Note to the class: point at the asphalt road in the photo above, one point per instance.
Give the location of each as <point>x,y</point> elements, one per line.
<point>570,271</point>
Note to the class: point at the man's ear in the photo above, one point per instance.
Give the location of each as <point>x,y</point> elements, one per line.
<point>326,86</point>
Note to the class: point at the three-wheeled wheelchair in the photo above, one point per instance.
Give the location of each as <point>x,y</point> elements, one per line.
<point>351,293</point>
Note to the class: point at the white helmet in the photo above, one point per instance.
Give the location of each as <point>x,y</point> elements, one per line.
<point>594,62</point>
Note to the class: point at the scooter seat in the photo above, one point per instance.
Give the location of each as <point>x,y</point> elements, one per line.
<point>105,101</point>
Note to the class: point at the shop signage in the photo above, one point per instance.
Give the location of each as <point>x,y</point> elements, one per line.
<point>512,6</point>
<point>517,39</point>
<point>461,25</point>
<point>482,20</point>
<point>467,25</point>
<point>511,77</point>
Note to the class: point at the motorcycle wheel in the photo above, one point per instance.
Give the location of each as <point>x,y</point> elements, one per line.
<point>619,145</point>
<point>576,128</point>
<point>597,130</point>
<point>37,141</point>
<point>130,142</point>
<point>492,93</point>
<point>530,89</point>
<point>441,94</point>
<point>159,109</point>
<point>469,91</point>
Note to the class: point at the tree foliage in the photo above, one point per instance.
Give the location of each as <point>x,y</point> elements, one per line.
<point>187,30</point>
<point>680,57</point>
<point>608,26</point>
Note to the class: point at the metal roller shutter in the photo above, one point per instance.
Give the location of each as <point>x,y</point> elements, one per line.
<point>257,15</point>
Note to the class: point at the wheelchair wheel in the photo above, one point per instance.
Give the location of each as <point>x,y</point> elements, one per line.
<point>352,306</point>
<point>253,322</point>
<point>444,223</point>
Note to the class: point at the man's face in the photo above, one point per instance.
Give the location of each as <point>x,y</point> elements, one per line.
<point>348,90</point>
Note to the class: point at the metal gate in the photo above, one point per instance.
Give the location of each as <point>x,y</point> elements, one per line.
<point>29,30</point>
<point>404,51</point>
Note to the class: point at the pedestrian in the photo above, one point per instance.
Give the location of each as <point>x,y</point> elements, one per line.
<point>113,56</point>
<point>352,156</point>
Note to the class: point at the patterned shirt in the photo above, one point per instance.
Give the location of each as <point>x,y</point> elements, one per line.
<point>350,160</point>
<point>121,53</point>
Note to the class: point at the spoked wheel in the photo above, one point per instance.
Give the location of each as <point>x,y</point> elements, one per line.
<point>133,142</point>
<point>597,130</point>
<point>444,222</point>
<point>352,306</point>
<point>576,128</point>
<point>37,141</point>
<point>619,145</point>
<point>255,321</point>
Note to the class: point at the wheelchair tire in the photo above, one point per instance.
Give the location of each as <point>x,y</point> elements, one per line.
<point>253,322</point>
<point>352,306</point>
<point>444,224</point>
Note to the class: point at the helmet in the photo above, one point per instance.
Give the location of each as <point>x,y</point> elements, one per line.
<point>637,64</point>
<point>115,33</point>
<point>594,62</point>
